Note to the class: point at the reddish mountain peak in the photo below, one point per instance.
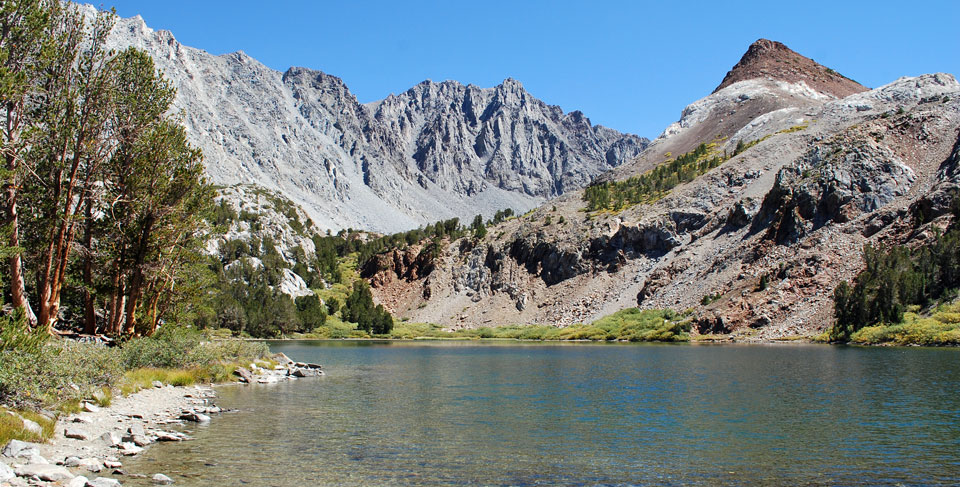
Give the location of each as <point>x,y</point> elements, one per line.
<point>771,59</point>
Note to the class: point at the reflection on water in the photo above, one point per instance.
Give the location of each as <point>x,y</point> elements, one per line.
<point>439,413</point>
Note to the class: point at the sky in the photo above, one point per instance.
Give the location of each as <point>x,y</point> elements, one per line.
<point>629,65</point>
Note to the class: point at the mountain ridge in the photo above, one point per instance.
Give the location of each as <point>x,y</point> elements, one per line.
<point>391,165</point>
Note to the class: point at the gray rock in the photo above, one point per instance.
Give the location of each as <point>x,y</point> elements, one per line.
<point>112,464</point>
<point>49,473</point>
<point>244,374</point>
<point>15,448</point>
<point>194,417</point>
<point>6,473</point>
<point>90,407</point>
<point>157,384</point>
<point>129,449</point>
<point>136,429</point>
<point>78,481</point>
<point>37,459</point>
<point>91,464</point>
<point>32,427</point>
<point>104,482</point>
<point>111,438</point>
<point>71,461</point>
<point>76,433</point>
<point>161,479</point>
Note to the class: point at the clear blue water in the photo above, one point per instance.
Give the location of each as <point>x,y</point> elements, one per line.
<point>480,413</point>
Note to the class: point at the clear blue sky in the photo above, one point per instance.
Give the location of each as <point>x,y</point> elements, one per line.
<point>629,65</point>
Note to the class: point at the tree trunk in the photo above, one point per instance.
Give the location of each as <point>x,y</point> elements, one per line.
<point>89,313</point>
<point>136,280</point>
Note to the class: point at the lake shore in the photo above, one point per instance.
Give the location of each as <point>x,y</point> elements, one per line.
<point>89,447</point>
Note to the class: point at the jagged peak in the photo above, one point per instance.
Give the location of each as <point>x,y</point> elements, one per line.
<point>774,60</point>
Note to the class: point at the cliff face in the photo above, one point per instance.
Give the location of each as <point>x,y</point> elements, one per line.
<point>436,151</point>
<point>754,247</point>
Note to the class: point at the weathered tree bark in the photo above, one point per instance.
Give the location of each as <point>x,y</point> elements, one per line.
<point>136,280</point>
<point>89,311</point>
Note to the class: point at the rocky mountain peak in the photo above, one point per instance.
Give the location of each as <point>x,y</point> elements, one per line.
<point>774,60</point>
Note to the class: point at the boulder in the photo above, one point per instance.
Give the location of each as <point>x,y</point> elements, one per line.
<point>136,429</point>
<point>157,384</point>
<point>91,464</point>
<point>90,407</point>
<point>129,449</point>
<point>76,434</point>
<point>245,375</point>
<point>49,473</point>
<point>161,479</point>
<point>78,481</point>
<point>32,426</point>
<point>15,448</point>
<point>37,459</point>
<point>111,438</point>
<point>112,464</point>
<point>194,417</point>
<point>6,473</point>
<point>103,482</point>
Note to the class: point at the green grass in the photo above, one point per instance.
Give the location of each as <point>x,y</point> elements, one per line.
<point>11,427</point>
<point>626,325</point>
<point>939,328</point>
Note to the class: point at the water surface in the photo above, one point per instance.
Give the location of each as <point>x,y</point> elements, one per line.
<point>481,413</point>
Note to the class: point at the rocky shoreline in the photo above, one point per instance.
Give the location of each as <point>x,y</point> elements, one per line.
<point>88,448</point>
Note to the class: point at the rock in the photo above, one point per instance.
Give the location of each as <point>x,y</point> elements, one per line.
<point>104,482</point>
<point>90,407</point>
<point>157,384</point>
<point>91,464</point>
<point>37,459</point>
<point>136,429</point>
<point>81,418</point>
<point>194,417</point>
<point>129,449</point>
<point>139,440</point>
<point>111,438</point>
<point>112,464</point>
<point>245,375</point>
<point>71,461</point>
<point>32,426</point>
<point>161,479</point>
<point>6,473</point>
<point>78,481</point>
<point>14,448</point>
<point>76,434</point>
<point>170,436</point>
<point>49,473</point>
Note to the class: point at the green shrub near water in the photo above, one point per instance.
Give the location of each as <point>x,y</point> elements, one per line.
<point>629,324</point>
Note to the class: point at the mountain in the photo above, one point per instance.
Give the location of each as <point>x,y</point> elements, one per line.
<point>766,59</point>
<point>790,177</point>
<point>436,151</point>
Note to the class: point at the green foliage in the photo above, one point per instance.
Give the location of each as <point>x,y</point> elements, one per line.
<point>359,309</point>
<point>311,312</point>
<point>941,328</point>
<point>710,298</point>
<point>895,279</point>
<point>650,186</point>
<point>478,228</point>
<point>626,325</point>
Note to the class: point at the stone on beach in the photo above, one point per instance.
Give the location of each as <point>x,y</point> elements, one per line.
<point>16,448</point>
<point>49,473</point>
<point>76,434</point>
<point>162,479</point>
<point>6,473</point>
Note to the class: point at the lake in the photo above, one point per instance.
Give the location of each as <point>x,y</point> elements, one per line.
<point>512,413</point>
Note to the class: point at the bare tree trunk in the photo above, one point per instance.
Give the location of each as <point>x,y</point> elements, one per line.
<point>136,280</point>
<point>89,313</point>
